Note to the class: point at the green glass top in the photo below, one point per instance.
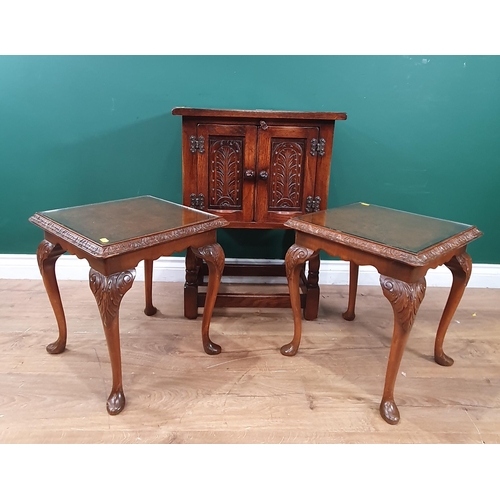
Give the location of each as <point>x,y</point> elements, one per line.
<point>394,228</point>
<point>114,221</point>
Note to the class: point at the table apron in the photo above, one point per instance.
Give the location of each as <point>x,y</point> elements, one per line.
<point>385,265</point>
<point>130,259</point>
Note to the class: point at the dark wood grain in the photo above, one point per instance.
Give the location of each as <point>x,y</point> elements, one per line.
<point>134,230</point>
<point>258,113</point>
<point>256,169</point>
<point>423,243</point>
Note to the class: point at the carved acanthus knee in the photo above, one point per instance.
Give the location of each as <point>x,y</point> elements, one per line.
<point>211,253</point>
<point>405,298</point>
<point>109,291</point>
<point>461,265</point>
<point>47,251</point>
<point>295,256</point>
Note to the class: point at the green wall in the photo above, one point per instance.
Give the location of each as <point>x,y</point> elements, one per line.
<point>422,133</point>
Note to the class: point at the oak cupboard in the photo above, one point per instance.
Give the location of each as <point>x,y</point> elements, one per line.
<point>257,169</point>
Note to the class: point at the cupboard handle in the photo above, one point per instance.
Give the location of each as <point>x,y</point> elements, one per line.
<point>263,175</point>
<point>249,174</point>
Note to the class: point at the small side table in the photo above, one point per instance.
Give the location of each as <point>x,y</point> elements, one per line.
<point>402,247</point>
<point>114,237</point>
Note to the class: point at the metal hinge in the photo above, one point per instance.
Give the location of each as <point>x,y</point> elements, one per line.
<point>197,201</point>
<point>318,147</point>
<point>197,144</point>
<point>312,204</point>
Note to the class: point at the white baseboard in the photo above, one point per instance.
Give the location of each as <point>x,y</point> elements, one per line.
<point>171,269</point>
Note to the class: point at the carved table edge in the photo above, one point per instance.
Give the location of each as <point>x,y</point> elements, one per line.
<point>106,251</point>
<point>414,259</point>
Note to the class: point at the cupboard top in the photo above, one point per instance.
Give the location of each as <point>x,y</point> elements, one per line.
<point>259,113</point>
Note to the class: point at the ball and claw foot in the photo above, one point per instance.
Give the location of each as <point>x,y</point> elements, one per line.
<point>56,347</point>
<point>212,348</point>
<point>150,310</point>
<point>389,412</point>
<point>288,350</point>
<point>443,359</point>
<point>115,403</point>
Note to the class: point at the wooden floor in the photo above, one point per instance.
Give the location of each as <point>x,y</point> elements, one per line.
<point>328,393</point>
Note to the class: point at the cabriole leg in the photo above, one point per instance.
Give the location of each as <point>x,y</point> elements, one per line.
<point>213,255</point>
<point>405,299</point>
<point>294,258</point>
<point>47,255</point>
<point>108,292</point>
<point>461,268</point>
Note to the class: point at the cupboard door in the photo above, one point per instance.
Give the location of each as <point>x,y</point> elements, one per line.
<point>286,172</point>
<point>226,170</point>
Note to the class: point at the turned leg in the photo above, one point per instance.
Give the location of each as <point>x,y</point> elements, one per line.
<point>294,258</point>
<point>461,268</point>
<point>108,292</point>
<point>405,299</point>
<point>47,255</point>
<point>150,309</point>
<point>349,315</point>
<point>312,296</point>
<point>191,285</point>
<point>214,257</point>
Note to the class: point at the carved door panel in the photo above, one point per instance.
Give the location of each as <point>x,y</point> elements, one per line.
<point>286,172</point>
<point>226,170</point>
